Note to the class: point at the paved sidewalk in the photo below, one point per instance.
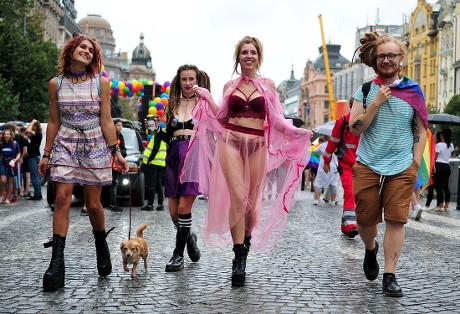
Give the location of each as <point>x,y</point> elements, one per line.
<point>313,269</point>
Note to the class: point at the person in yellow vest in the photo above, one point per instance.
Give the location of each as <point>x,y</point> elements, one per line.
<point>154,162</point>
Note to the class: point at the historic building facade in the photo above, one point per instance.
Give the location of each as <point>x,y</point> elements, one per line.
<point>314,96</point>
<point>59,23</point>
<point>421,63</point>
<point>446,22</point>
<point>96,26</point>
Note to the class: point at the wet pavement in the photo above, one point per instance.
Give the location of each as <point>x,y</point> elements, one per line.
<point>313,269</point>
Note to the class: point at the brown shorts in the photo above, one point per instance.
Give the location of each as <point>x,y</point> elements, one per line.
<point>392,196</point>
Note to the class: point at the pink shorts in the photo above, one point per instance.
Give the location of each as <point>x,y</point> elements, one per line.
<point>375,194</point>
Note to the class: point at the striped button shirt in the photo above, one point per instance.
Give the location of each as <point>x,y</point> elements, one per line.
<point>387,145</point>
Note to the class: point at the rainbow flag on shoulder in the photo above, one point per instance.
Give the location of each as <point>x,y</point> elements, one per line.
<point>426,166</point>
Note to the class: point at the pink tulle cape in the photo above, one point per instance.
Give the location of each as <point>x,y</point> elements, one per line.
<point>288,151</point>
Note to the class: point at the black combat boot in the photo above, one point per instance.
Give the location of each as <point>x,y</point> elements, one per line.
<point>53,278</point>
<point>239,265</point>
<point>192,248</point>
<point>176,262</point>
<point>104,265</point>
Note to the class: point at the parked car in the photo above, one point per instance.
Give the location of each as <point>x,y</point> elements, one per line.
<point>131,182</point>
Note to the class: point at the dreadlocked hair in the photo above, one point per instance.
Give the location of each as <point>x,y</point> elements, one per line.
<point>368,49</point>
<point>369,44</point>
<point>175,93</point>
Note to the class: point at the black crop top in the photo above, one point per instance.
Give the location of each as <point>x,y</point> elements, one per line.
<point>240,108</point>
<point>173,126</point>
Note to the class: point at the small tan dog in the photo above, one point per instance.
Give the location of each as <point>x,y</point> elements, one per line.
<point>133,249</point>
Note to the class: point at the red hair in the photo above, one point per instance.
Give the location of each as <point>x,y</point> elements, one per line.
<point>66,55</point>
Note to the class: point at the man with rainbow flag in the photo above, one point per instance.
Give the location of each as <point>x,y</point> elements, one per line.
<point>392,121</point>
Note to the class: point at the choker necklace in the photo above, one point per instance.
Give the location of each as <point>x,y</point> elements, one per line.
<point>188,98</point>
<point>77,74</point>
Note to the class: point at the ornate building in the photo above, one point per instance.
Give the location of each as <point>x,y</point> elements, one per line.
<point>421,63</point>
<point>99,28</point>
<point>446,53</point>
<point>314,98</point>
<point>288,91</point>
<point>59,23</point>
<point>141,63</point>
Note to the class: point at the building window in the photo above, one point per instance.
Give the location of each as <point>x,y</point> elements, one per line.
<point>417,73</point>
<point>326,104</point>
<point>326,118</point>
<point>325,89</point>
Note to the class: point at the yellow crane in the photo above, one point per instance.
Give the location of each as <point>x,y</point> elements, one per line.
<point>328,73</point>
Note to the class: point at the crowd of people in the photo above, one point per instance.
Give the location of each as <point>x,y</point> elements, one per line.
<point>19,162</point>
<point>241,154</point>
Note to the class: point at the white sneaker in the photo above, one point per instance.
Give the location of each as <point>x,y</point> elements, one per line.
<point>418,213</point>
<point>315,202</point>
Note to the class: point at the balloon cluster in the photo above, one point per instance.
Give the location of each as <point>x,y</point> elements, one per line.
<point>157,105</point>
<point>132,88</point>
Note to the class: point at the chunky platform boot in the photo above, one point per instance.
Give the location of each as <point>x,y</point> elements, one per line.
<point>239,265</point>
<point>53,278</point>
<point>192,248</point>
<point>176,262</point>
<point>104,265</point>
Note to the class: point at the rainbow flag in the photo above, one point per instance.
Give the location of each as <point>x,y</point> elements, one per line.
<point>426,167</point>
<point>314,158</point>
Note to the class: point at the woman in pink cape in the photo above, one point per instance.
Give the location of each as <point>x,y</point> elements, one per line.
<point>245,151</point>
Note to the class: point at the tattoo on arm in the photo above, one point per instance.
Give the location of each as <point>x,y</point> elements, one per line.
<point>357,124</point>
<point>416,139</point>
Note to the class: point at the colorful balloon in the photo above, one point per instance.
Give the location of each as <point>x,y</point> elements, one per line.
<point>152,110</point>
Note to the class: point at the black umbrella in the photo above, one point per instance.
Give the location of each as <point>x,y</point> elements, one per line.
<point>443,118</point>
<point>296,121</point>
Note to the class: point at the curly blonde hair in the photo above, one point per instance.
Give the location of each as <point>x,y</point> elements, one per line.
<point>369,44</point>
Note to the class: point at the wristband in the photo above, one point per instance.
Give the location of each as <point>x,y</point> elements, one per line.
<point>114,149</point>
<point>47,150</point>
<point>46,156</point>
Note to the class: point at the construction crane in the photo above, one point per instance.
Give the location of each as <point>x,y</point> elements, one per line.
<point>328,73</point>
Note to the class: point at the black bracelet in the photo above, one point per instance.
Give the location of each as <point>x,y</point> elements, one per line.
<point>46,156</point>
<point>114,149</point>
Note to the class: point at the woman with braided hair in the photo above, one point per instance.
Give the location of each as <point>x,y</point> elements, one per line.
<point>179,129</point>
<point>386,169</point>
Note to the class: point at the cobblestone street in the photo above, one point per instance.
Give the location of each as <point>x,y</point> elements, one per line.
<point>314,268</point>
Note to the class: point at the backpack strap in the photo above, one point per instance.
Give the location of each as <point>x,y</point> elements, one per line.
<point>365,89</point>
<point>57,91</point>
<point>98,84</point>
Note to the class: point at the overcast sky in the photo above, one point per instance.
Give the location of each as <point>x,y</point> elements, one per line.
<point>204,32</point>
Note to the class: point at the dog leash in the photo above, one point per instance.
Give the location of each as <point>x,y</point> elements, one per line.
<point>130,206</point>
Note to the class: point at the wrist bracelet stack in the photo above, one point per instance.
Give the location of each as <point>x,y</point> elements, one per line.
<point>114,149</point>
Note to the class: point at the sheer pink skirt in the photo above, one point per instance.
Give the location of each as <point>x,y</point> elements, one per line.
<point>237,182</point>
